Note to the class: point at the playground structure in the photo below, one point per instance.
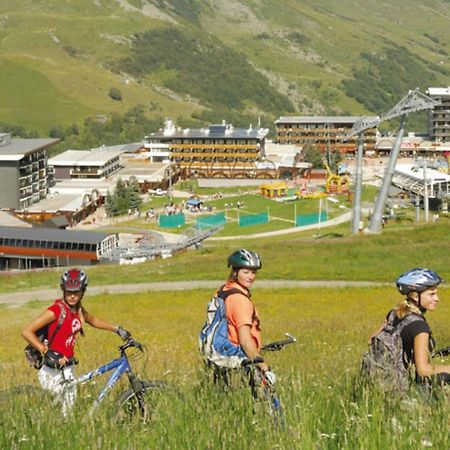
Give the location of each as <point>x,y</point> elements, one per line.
<point>335,183</point>
<point>274,190</point>
<point>310,191</point>
<point>280,191</point>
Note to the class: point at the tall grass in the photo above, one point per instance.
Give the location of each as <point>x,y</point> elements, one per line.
<point>333,256</point>
<point>324,405</point>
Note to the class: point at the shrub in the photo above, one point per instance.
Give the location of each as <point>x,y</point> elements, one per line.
<point>115,94</point>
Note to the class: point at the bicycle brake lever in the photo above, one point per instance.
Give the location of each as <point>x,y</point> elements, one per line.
<point>291,337</point>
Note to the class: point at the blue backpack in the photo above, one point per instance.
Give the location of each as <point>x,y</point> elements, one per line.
<point>214,343</point>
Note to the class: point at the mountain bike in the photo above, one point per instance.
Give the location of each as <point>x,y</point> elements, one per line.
<point>135,402</point>
<point>262,390</point>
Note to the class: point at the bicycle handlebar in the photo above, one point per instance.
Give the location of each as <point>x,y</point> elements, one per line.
<point>278,345</point>
<point>441,352</point>
<point>131,343</point>
<point>271,347</point>
<point>250,362</point>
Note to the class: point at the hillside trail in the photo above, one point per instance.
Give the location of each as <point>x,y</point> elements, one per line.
<point>17,299</point>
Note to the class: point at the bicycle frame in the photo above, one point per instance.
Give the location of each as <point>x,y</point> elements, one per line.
<point>119,366</point>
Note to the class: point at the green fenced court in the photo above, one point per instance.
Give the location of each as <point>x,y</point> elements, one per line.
<point>310,219</point>
<point>172,220</point>
<point>253,219</point>
<point>206,222</point>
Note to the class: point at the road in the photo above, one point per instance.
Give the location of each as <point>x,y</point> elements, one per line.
<point>16,299</point>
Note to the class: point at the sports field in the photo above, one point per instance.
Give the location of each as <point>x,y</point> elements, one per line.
<point>317,377</point>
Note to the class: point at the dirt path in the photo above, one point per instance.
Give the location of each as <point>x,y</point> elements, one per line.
<point>16,299</point>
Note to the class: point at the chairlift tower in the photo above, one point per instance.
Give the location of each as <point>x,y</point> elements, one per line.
<point>358,129</point>
<point>414,101</point>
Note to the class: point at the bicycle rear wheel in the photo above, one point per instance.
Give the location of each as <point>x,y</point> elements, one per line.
<point>138,406</point>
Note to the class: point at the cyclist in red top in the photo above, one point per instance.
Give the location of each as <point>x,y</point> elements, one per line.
<point>65,319</point>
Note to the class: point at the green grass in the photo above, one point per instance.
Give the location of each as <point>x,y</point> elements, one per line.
<point>317,378</point>
<point>281,215</point>
<point>325,406</point>
<point>43,40</point>
<point>334,255</point>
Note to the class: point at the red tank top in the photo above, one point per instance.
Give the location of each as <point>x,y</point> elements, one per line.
<point>64,340</point>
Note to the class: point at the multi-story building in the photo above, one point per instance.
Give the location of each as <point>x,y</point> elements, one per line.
<point>23,171</point>
<point>323,132</point>
<point>27,248</point>
<point>214,151</point>
<point>96,163</point>
<point>439,116</point>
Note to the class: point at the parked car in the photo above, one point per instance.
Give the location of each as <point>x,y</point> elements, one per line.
<point>158,192</point>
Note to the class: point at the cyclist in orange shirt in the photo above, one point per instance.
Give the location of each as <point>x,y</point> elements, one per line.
<point>242,316</point>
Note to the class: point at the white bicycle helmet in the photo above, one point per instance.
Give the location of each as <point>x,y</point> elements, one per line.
<point>417,280</point>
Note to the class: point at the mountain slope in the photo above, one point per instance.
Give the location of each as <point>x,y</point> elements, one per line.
<point>205,60</point>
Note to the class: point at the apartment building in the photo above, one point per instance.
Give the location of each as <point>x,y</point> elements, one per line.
<point>23,170</point>
<point>97,163</point>
<point>219,150</point>
<point>323,132</point>
<point>439,116</point>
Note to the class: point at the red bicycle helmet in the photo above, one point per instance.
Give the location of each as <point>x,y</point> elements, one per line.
<point>74,280</point>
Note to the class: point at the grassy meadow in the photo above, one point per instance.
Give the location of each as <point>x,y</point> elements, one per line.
<point>49,63</point>
<point>317,378</point>
<point>303,255</point>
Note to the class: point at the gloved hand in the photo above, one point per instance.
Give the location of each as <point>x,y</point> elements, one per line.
<point>270,377</point>
<point>124,334</point>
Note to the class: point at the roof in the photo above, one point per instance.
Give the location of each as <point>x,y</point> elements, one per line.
<point>53,235</point>
<point>213,131</point>
<point>68,158</point>
<point>133,147</point>
<point>95,157</point>
<point>323,119</point>
<point>416,172</point>
<point>18,148</point>
<point>7,219</point>
<point>59,202</point>
<point>438,91</point>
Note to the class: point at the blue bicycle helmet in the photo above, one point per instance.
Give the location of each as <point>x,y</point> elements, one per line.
<point>417,280</point>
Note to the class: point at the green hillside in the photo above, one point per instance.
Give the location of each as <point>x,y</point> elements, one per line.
<point>199,61</point>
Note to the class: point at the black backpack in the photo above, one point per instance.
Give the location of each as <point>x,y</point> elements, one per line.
<point>384,362</point>
<point>34,357</point>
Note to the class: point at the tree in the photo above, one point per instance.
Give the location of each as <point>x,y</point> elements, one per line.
<point>125,198</point>
<point>110,206</point>
<point>134,195</point>
<point>121,197</point>
<point>313,155</point>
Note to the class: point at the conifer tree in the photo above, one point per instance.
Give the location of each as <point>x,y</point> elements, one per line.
<point>134,195</point>
<point>110,206</point>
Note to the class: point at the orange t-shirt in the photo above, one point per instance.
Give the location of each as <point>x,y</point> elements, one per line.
<point>241,311</point>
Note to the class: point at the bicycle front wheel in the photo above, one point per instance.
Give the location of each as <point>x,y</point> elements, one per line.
<point>138,405</point>
<point>275,409</point>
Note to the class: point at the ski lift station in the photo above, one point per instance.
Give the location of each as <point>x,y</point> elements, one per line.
<point>422,181</point>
